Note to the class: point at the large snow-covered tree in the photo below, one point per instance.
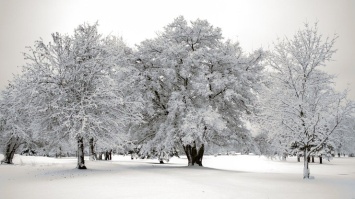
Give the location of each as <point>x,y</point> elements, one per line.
<point>199,88</point>
<point>301,109</point>
<point>76,88</point>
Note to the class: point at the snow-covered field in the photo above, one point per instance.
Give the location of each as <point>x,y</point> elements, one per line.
<point>221,177</point>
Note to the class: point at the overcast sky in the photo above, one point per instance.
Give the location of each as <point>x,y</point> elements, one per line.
<point>254,23</point>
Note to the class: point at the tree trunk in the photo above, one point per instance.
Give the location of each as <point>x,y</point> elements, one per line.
<point>200,153</point>
<point>92,149</point>
<point>320,159</point>
<point>161,157</point>
<point>193,155</point>
<point>188,150</point>
<point>298,158</point>
<point>313,158</point>
<point>106,155</point>
<point>81,162</point>
<point>60,152</point>
<point>306,171</point>
<point>11,147</point>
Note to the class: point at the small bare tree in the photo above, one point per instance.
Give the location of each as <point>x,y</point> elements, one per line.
<point>301,109</point>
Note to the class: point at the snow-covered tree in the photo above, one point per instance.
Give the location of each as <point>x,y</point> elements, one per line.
<point>15,118</point>
<point>263,144</point>
<point>343,141</point>
<point>198,87</point>
<point>75,88</point>
<point>301,109</point>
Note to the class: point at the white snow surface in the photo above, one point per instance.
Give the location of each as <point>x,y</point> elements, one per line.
<point>238,176</point>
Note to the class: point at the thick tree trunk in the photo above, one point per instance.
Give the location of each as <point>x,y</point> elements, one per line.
<point>200,153</point>
<point>81,162</point>
<point>11,147</point>
<point>193,155</point>
<point>320,159</point>
<point>92,149</point>
<point>188,150</point>
<point>306,171</point>
<point>312,158</point>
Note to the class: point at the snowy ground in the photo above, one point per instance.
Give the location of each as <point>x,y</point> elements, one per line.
<point>221,177</point>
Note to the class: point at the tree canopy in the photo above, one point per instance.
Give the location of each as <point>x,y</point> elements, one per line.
<point>198,87</point>
<point>302,111</point>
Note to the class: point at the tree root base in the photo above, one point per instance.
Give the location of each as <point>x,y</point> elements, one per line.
<point>81,167</point>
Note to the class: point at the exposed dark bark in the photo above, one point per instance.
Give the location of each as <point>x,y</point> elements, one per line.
<point>188,150</point>
<point>107,155</point>
<point>92,149</point>
<point>11,147</point>
<point>298,158</point>
<point>306,171</point>
<point>81,161</point>
<point>200,153</point>
<point>193,155</point>
<point>313,158</point>
<point>320,159</point>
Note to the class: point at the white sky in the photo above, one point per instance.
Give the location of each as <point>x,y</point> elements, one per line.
<point>254,23</point>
